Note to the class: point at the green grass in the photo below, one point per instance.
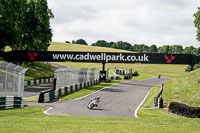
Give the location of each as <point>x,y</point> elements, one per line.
<point>58,46</point>
<point>31,120</point>
<point>33,98</point>
<point>7,49</point>
<point>145,70</point>
<point>89,90</point>
<point>183,89</point>
<point>38,70</point>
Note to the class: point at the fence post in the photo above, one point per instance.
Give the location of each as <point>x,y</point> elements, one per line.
<point>54,83</point>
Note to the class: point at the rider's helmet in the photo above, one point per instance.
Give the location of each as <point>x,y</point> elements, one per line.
<point>98,97</point>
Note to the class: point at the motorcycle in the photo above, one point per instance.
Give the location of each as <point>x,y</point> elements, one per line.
<point>92,104</point>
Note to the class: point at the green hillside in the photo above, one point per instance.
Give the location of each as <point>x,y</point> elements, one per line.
<point>58,46</point>
<point>183,89</point>
<point>145,70</point>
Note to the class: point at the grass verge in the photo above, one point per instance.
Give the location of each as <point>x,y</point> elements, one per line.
<point>33,98</point>
<point>38,70</point>
<point>184,89</point>
<point>91,89</point>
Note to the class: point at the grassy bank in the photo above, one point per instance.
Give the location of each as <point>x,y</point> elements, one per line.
<point>183,89</point>
<point>38,70</point>
<point>58,46</point>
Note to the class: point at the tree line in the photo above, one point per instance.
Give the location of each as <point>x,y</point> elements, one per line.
<point>142,48</point>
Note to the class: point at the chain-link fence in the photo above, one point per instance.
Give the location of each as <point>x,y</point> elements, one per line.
<point>70,76</point>
<point>11,79</point>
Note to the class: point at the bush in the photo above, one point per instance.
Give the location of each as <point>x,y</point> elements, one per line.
<point>135,73</point>
<point>189,68</point>
<point>184,110</point>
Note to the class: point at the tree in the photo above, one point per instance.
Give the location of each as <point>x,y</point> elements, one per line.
<point>8,26</point>
<point>198,51</point>
<point>153,49</point>
<point>100,43</point>
<point>141,48</point>
<point>176,49</point>
<point>67,42</point>
<point>25,24</point>
<point>81,41</point>
<point>73,42</point>
<point>124,45</point>
<point>190,50</point>
<point>134,47</point>
<point>197,23</point>
<point>164,49</point>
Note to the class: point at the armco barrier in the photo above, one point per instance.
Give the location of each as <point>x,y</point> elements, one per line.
<point>38,81</point>
<point>52,95</point>
<point>184,110</point>
<point>9,102</point>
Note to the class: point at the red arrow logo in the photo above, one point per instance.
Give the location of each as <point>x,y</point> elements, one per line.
<point>32,57</point>
<point>169,60</point>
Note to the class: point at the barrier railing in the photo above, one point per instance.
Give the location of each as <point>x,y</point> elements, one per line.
<point>69,80</point>
<point>9,102</point>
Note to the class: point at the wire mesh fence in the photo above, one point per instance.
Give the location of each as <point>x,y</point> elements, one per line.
<point>11,79</point>
<point>70,76</point>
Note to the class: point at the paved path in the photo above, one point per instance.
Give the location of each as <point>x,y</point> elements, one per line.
<point>116,101</point>
<point>35,90</point>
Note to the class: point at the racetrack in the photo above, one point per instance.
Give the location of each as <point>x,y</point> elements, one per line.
<point>119,100</point>
<point>35,90</point>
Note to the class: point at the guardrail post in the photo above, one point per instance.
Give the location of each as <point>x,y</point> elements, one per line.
<point>54,84</point>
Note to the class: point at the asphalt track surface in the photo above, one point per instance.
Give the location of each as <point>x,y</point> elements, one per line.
<point>35,90</point>
<point>119,100</point>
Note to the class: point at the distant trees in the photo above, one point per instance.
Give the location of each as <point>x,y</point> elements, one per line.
<point>153,49</point>
<point>197,23</point>
<point>67,42</point>
<point>117,45</point>
<point>25,24</point>
<point>176,49</point>
<point>142,48</point>
<point>190,50</point>
<point>121,45</point>
<point>164,49</point>
<point>101,43</point>
<point>80,41</point>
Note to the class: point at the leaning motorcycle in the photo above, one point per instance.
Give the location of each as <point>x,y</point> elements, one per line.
<point>92,104</point>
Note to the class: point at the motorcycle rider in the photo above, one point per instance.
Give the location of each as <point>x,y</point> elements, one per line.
<point>97,98</point>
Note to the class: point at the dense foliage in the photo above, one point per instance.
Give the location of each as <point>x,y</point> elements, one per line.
<point>80,41</point>
<point>197,23</point>
<point>142,48</point>
<point>25,24</point>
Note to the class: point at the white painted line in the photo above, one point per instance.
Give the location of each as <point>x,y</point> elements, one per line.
<point>46,111</point>
<point>136,116</point>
